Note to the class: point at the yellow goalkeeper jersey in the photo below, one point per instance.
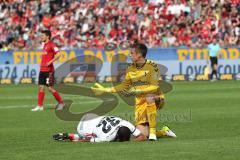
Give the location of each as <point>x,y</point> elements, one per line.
<point>145,78</point>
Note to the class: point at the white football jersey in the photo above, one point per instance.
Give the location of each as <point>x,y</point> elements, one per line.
<point>103,128</point>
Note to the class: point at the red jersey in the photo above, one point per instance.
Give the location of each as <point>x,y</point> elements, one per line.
<point>50,50</point>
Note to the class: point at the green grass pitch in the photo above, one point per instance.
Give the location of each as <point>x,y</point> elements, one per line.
<point>204,115</point>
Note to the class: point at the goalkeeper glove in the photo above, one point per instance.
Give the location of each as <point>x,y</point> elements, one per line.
<point>99,89</point>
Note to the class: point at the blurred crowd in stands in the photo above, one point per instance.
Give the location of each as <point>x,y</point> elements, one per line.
<point>96,23</point>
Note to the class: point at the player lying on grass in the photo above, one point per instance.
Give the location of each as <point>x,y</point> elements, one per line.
<point>94,128</point>
<point>141,80</point>
<point>143,124</point>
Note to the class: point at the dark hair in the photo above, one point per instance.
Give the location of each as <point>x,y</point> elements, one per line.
<point>47,33</point>
<point>141,48</point>
<point>123,134</point>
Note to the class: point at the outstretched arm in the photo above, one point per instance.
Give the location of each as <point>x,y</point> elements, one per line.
<point>126,83</point>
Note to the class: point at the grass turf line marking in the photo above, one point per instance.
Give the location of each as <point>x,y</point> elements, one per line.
<point>51,104</point>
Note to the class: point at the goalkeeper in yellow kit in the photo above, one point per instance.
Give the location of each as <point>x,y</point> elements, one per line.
<point>142,80</point>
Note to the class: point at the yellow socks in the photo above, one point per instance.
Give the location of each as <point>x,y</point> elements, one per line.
<point>160,133</point>
<point>152,120</point>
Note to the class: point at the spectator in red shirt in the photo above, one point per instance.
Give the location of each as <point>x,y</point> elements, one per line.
<point>109,17</point>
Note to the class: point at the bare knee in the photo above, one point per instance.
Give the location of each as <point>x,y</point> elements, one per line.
<point>215,67</point>
<point>51,89</point>
<point>41,88</point>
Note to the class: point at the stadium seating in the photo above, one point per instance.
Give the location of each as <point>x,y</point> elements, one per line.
<point>95,23</point>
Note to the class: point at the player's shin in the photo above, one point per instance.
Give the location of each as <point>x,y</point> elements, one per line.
<point>41,95</point>
<point>152,118</point>
<point>73,137</point>
<point>57,97</point>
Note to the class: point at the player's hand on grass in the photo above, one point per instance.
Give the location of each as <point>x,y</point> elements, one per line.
<point>99,89</point>
<point>141,137</point>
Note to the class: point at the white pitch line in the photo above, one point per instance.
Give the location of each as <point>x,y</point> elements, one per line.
<point>53,104</point>
<point>35,97</point>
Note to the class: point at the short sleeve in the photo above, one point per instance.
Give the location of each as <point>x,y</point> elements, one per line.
<point>55,49</point>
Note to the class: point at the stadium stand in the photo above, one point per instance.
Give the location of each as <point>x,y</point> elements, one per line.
<point>95,23</point>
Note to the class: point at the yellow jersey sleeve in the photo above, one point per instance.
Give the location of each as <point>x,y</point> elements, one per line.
<point>126,84</point>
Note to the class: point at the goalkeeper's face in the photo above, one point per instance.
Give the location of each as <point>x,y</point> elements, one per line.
<point>135,56</point>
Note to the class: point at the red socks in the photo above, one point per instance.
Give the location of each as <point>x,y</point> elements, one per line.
<point>40,98</point>
<point>73,137</point>
<point>57,97</point>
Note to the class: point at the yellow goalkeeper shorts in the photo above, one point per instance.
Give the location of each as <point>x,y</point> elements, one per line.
<point>141,115</point>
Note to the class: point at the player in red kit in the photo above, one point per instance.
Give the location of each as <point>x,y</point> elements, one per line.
<point>46,75</point>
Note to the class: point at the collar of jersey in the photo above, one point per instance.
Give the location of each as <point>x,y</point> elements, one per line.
<point>142,65</point>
